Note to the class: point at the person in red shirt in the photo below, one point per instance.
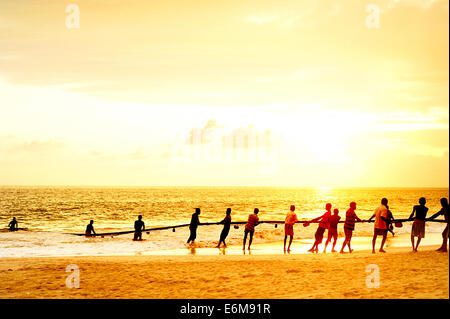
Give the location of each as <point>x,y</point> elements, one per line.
<point>349,226</point>
<point>333,230</point>
<point>289,222</point>
<point>253,220</point>
<point>323,225</point>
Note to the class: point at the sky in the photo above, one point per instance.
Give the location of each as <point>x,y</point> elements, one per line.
<point>322,93</point>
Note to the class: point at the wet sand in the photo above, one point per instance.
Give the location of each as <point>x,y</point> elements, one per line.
<point>212,273</point>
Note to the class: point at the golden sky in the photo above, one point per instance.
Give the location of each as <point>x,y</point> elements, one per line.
<point>149,93</point>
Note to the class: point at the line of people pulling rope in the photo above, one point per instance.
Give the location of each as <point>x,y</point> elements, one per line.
<point>383,224</point>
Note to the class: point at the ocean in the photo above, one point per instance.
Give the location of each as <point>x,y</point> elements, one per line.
<point>51,213</point>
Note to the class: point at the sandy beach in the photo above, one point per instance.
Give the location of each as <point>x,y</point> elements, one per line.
<point>403,274</point>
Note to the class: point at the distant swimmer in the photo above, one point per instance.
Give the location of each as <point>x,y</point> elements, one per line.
<point>349,226</point>
<point>418,227</point>
<point>195,221</point>
<point>289,222</point>
<point>253,221</point>
<point>139,226</point>
<point>13,224</point>
<point>380,228</point>
<point>333,230</point>
<point>226,228</point>
<point>324,224</point>
<point>90,229</point>
<point>446,233</point>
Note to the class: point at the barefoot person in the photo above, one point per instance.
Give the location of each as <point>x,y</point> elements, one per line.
<point>380,228</point>
<point>289,222</point>
<point>349,226</point>
<point>418,226</point>
<point>195,221</point>
<point>323,225</point>
<point>253,220</point>
<point>139,226</point>
<point>90,229</point>
<point>446,233</point>
<point>226,228</point>
<point>13,225</point>
<point>333,230</point>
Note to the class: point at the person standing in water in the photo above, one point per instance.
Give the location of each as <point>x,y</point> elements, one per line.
<point>446,233</point>
<point>418,227</point>
<point>139,226</point>
<point>226,228</point>
<point>90,229</point>
<point>289,222</point>
<point>349,226</point>
<point>252,222</point>
<point>323,225</point>
<point>13,225</point>
<point>333,230</point>
<point>195,221</point>
<point>380,229</point>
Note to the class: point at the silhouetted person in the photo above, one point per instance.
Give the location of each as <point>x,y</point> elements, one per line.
<point>323,225</point>
<point>195,221</point>
<point>90,229</point>
<point>252,222</point>
<point>226,228</point>
<point>380,228</point>
<point>418,226</point>
<point>139,226</point>
<point>13,225</point>
<point>349,226</point>
<point>390,218</point>
<point>333,230</point>
<point>446,233</point>
<point>289,222</point>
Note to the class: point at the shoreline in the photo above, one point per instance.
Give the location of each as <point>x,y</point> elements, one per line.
<point>403,274</point>
<point>299,246</point>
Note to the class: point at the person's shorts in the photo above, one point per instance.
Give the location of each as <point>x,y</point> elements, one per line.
<point>332,232</point>
<point>289,230</point>
<point>249,231</point>
<point>319,234</point>
<point>348,232</point>
<point>380,232</point>
<point>418,229</point>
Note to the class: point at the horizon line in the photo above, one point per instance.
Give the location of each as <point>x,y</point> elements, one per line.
<point>214,186</point>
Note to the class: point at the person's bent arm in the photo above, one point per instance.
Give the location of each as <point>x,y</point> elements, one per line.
<point>437,214</point>
<point>412,214</point>
<point>371,218</point>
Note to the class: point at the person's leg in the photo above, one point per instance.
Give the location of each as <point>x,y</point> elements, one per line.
<point>418,242</point>
<point>344,243</point>
<point>383,242</point>
<point>334,244</point>
<point>290,242</point>
<point>412,242</point>
<point>285,237</point>
<point>250,240</point>
<point>245,239</point>
<point>374,240</point>
<point>443,247</point>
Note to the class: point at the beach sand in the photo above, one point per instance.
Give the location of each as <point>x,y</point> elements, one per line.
<point>403,274</point>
